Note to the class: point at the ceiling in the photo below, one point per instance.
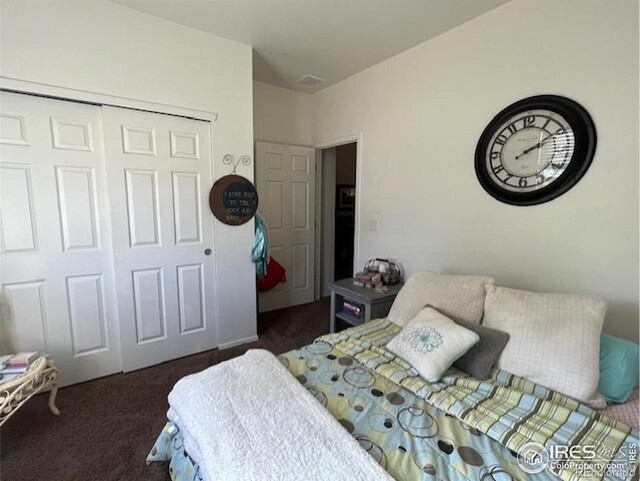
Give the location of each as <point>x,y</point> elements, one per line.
<point>330,39</point>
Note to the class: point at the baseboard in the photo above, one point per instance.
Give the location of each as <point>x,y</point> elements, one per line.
<point>237,342</point>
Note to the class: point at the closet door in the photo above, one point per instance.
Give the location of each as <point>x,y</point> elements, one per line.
<point>56,268</point>
<point>159,176</point>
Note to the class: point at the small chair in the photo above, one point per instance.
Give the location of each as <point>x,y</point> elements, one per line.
<point>41,374</point>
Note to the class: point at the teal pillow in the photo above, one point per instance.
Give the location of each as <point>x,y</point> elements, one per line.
<point>619,360</point>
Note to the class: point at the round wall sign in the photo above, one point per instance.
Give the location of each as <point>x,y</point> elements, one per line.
<point>233,200</point>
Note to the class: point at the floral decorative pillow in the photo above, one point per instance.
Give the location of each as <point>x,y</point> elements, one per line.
<point>431,343</point>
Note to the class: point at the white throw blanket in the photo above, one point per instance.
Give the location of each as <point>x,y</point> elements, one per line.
<point>249,419</point>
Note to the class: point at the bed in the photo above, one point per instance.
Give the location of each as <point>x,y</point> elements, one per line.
<point>459,428</point>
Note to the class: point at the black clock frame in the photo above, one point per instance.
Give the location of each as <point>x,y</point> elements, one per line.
<point>584,132</point>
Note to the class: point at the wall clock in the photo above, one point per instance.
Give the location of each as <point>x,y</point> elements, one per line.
<point>535,150</point>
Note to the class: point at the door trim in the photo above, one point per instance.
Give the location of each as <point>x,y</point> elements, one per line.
<point>348,139</point>
<point>237,342</point>
<point>88,96</point>
<point>12,84</point>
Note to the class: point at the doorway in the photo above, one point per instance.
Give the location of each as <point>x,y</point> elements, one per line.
<point>308,204</point>
<point>338,202</point>
<point>286,182</point>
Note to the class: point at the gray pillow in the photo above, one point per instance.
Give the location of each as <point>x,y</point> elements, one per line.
<point>482,356</point>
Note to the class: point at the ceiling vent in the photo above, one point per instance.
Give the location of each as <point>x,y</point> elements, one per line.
<point>310,80</point>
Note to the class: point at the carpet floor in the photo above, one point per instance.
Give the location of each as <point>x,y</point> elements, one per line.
<point>107,426</point>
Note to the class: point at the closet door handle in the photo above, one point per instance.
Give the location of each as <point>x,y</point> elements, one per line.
<point>207,252</point>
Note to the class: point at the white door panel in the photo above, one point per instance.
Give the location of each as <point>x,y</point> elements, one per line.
<point>286,186</point>
<point>56,271</point>
<point>62,288</point>
<point>159,174</point>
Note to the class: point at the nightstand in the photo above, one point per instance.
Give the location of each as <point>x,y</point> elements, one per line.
<point>375,304</point>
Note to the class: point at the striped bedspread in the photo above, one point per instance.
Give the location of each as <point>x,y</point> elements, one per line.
<point>507,408</point>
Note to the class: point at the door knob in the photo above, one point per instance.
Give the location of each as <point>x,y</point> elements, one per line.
<point>207,252</point>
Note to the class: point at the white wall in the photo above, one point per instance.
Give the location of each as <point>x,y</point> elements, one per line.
<point>98,46</point>
<point>421,114</point>
<point>282,115</point>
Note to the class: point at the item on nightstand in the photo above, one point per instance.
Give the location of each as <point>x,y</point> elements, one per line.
<point>373,303</point>
<point>352,308</point>
<point>391,272</point>
<point>367,279</point>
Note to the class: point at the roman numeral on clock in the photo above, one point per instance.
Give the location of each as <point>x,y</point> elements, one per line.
<point>501,139</point>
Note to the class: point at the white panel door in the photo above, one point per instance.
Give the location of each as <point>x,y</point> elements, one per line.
<point>159,176</point>
<point>286,177</point>
<point>56,269</point>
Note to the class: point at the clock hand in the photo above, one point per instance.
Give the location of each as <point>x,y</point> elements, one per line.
<point>535,146</point>
<point>538,145</point>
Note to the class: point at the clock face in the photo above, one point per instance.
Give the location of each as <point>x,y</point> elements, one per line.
<point>530,150</point>
<point>535,150</point>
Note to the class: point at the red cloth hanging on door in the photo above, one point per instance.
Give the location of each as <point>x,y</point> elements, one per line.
<point>274,275</point>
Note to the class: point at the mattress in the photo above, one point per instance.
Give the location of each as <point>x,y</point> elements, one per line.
<point>411,435</point>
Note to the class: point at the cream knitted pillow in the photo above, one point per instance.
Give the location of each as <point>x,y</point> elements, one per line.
<point>460,297</point>
<point>554,338</point>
